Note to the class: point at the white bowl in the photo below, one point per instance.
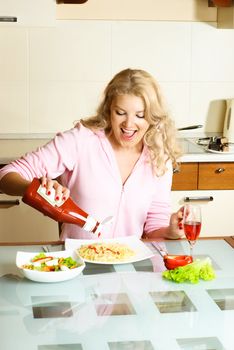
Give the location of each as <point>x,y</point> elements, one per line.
<point>58,276</point>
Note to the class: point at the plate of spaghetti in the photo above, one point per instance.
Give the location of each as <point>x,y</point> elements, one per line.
<point>120,250</point>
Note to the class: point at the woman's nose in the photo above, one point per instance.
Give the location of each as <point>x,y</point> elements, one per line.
<point>129,121</point>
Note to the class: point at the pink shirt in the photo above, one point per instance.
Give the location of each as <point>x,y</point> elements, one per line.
<point>88,167</point>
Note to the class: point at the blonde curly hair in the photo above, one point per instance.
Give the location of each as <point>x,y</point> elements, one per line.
<point>160,137</point>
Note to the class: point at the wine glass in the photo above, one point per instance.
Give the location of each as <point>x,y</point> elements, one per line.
<point>192,224</point>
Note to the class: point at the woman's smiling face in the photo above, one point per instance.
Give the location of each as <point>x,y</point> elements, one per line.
<point>128,123</point>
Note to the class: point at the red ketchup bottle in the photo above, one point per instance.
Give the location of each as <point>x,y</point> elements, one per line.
<point>62,211</point>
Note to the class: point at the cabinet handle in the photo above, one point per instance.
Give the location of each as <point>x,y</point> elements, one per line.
<point>198,199</point>
<point>8,19</point>
<point>219,170</point>
<point>9,202</point>
<point>176,170</point>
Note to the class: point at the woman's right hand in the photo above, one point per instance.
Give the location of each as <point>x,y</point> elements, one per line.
<point>61,193</point>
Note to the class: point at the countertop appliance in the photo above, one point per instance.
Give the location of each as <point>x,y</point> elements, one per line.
<point>228,127</point>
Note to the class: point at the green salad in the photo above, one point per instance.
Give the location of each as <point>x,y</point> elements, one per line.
<point>45,263</point>
<point>199,269</point>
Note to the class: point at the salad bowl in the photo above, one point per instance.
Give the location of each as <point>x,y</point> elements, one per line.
<point>47,267</point>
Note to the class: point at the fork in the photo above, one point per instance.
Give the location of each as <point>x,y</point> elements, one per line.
<point>159,249</point>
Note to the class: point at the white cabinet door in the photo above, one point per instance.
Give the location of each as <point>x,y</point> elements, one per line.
<point>217,215</point>
<point>29,12</point>
<point>21,223</point>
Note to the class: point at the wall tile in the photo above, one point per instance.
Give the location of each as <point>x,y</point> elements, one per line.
<point>177,96</point>
<point>208,103</point>
<point>50,76</point>
<point>71,51</point>
<point>55,106</point>
<point>13,54</point>
<point>14,107</point>
<point>212,53</point>
<point>162,48</point>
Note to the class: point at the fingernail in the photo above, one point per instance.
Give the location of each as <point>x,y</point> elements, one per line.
<point>64,198</point>
<point>180,226</point>
<point>48,193</point>
<point>57,198</point>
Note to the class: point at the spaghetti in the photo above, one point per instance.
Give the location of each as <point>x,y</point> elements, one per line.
<point>105,252</point>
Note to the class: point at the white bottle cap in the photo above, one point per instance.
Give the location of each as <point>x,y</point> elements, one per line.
<point>98,230</point>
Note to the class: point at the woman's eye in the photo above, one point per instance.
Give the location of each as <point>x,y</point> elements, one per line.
<point>140,116</point>
<point>120,113</point>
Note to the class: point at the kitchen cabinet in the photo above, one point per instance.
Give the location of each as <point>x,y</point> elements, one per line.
<point>167,10</point>
<point>204,176</point>
<point>225,13</point>
<point>28,12</point>
<point>18,221</point>
<point>185,178</point>
<point>21,223</point>
<point>225,17</point>
<point>218,176</point>
<point>211,184</point>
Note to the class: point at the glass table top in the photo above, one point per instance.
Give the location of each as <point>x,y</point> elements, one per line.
<point>119,307</point>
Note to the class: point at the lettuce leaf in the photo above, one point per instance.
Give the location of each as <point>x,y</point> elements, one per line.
<point>199,269</point>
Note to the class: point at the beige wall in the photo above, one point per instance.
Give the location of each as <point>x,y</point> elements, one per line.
<point>53,73</point>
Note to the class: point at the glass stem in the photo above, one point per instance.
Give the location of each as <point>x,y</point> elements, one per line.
<point>191,250</point>
<point>191,244</point>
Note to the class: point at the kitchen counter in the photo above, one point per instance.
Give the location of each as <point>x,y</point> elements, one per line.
<point>192,152</point>
<point>14,147</point>
<point>126,306</point>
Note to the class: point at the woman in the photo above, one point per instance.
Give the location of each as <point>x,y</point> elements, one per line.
<point>117,163</point>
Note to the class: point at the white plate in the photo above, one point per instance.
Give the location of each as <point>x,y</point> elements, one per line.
<point>142,251</point>
<point>219,152</point>
<point>58,276</point>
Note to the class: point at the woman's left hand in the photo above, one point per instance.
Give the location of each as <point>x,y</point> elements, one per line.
<point>176,226</point>
<point>173,231</point>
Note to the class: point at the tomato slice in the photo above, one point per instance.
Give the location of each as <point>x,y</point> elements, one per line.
<point>173,261</point>
<point>44,259</point>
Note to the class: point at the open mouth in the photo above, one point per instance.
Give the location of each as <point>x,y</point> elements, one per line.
<point>128,133</point>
